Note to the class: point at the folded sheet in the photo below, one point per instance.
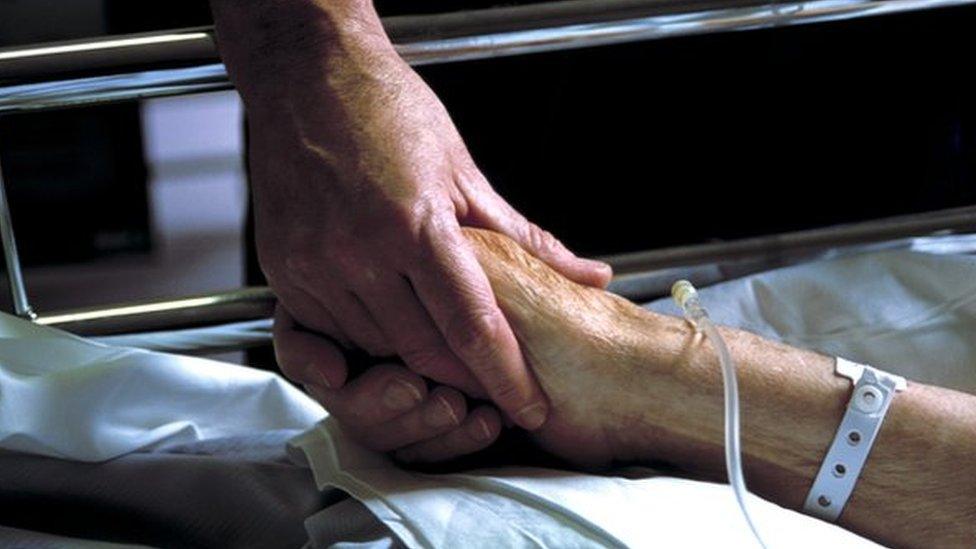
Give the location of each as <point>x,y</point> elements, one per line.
<point>67,397</point>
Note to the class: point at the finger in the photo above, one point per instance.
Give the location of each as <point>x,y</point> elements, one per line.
<point>478,431</point>
<point>456,293</point>
<point>347,311</point>
<point>380,394</point>
<point>304,357</point>
<point>306,311</point>
<point>402,319</point>
<point>352,317</point>
<point>491,211</point>
<point>442,411</point>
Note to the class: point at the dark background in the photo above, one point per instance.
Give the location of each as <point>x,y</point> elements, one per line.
<point>616,148</point>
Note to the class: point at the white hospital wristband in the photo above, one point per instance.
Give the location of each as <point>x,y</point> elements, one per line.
<point>873,393</point>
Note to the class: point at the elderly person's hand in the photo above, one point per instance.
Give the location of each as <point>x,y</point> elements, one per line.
<point>361,184</point>
<point>388,407</point>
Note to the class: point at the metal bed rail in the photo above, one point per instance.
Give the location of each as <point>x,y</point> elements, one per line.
<point>179,62</point>
<point>165,314</point>
<point>640,276</point>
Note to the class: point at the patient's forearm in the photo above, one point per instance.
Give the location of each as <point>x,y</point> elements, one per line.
<point>918,486</point>
<point>630,385</point>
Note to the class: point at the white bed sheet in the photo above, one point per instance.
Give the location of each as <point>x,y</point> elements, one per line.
<point>908,312</point>
<point>67,397</point>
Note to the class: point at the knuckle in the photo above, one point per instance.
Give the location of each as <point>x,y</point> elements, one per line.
<point>384,371</point>
<point>344,259</point>
<point>388,223</point>
<point>425,361</point>
<point>453,398</point>
<point>376,380</point>
<point>542,241</point>
<point>364,333</point>
<point>297,263</point>
<point>504,390</point>
<point>473,336</point>
<point>406,217</point>
<point>484,426</point>
<point>434,222</point>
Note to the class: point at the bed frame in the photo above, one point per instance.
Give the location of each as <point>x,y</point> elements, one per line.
<point>67,74</point>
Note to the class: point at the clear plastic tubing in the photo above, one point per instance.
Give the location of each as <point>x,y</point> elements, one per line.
<point>686,297</point>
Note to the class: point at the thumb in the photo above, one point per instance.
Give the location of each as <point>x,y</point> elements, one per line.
<point>493,212</point>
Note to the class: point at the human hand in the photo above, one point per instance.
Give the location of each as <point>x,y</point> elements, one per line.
<point>388,407</point>
<point>596,355</point>
<point>590,350</point>
<point>361,184</point>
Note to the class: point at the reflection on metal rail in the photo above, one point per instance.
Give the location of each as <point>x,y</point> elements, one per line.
<point>47,76</point>
<point>165,314</point>
<point>647,275</point>
<point>639,275</point>
<point>952,220</point>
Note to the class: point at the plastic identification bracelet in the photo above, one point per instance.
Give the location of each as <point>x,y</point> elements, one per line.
<point>873,393</point>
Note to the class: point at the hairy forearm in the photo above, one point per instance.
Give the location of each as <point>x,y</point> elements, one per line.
<point>324,88</point>
<point>918,487</point>
<point>278,49</point>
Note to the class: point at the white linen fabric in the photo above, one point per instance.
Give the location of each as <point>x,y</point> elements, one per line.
<point>67,397</point>
<point>908,312</point>
<point>905,312</point>
<point>535,507</point>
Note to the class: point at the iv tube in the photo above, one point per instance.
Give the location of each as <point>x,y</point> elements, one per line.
<point>686,297</point>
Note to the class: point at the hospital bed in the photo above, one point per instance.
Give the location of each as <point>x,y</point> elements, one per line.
<point>133,67</point>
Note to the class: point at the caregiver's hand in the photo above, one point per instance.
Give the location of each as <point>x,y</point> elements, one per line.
<point>388,407</point>
<point>361,184</point>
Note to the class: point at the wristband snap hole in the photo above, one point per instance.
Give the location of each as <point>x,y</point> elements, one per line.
<point>854,437</point>
<point>840,470</point>
<point>824,501</point>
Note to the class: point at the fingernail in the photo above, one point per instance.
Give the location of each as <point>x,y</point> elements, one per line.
<point>440,413</point>
<point>480,430</point>
<point>604,268</point>
<point>532,416</point>
<point>401,395</point>
<point>319,376</point>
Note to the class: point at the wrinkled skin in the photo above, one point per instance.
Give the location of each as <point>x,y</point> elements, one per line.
<point>577,341</point>
<point>626,386</point>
